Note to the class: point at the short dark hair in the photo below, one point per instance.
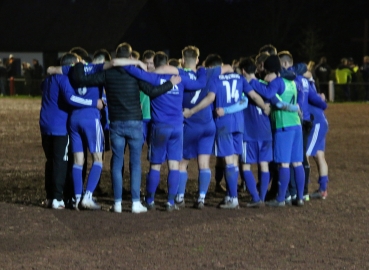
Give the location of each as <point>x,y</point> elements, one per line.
<point>261,57</point>
<point>160,59</point>
<point>269,48</point>
<point>213,60</point>
<point>82,53</point>
<point>148,54</point>
<point>247,64</point>
<point>123,50</point>
<point>174,62</point>
<point>68,59</point>
<point>102,53</point>
<point>135,54</point>
<point>286,56</point>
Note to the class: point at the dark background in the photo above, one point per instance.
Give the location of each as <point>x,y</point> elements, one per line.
<point>309,29</point>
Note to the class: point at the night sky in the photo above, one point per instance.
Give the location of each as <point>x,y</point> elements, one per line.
<point>231,28</point>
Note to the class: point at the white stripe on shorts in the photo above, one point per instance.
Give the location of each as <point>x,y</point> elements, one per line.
<point>313,140</point>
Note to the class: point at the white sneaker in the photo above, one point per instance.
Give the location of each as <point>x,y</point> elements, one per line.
<point>232,203</point>
<point>58,204</point>
<point>116,208</point>
<point>90,204</point>
<point>137,208</point>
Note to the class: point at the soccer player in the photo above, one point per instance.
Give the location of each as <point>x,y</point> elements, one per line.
<point>125,120</point>
<point>316,140</point>
<point>287,135</point>
<point>166,141</point>
<point>225,90</point>
<point>57,96</point>
<point>198,130</point>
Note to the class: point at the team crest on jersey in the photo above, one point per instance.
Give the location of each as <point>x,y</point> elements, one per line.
<point>82,91</point>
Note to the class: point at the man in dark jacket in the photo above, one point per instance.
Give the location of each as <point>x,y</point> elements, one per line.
<point>323,72</point>
<point>125,115</point>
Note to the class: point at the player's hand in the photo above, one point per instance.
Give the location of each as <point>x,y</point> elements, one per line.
<point>187,113</point>
<point>267,109</point>
<point>323,96</point>
<point>100,104</point>
<point>270,77</point>
<point>219,112</point>
<point>175,79</point>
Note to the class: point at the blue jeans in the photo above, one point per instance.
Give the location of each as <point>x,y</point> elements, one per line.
<point>122,132</point>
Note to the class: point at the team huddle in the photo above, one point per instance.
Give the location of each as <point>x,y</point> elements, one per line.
<point>263,111</point>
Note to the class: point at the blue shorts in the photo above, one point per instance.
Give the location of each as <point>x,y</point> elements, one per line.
<point>228,144</point>
<point>288,146</point>
<point>257,151</point>
<point>86,132</point>
<point>316,140</point>
<point>198,139</point>
<point>166,143</point>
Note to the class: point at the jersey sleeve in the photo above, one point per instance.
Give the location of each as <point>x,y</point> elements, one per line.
<point>140,74</point>
<point>70,96</point>
<point>239,106</point>
<point>65,70</point>
<point>246,87</point>
<point>266,91</point>
<point>194,84</point>
<point>315,99</point>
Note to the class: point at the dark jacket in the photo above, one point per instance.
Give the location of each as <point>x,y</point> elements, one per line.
<point>122,91</point>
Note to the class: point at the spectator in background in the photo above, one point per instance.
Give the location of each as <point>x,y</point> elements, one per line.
<point>37,75</point>
<point>322,73</point>
<point>27,74</point>
<point>3,80</point>
<point>11,67</point>
<point>354,68</point>
<point>343,77</point>
<point>136,55</point>
<point>365,73</point>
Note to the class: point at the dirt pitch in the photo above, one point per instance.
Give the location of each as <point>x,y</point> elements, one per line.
<point>330,234</point>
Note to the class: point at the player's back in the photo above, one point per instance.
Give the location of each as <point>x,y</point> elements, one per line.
<point>54,111</point>
<point>92,93</point>
<point>167,108</point>
<point>228,89</point>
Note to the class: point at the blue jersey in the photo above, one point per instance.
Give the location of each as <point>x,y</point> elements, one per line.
<point>167,108</point>
<point>316,105</point>
<point>93,92</point>
<point>57,95</point>
<point>302,85</point>
<point>228,89</point>
<point>192,98</point>
<point>257,124</point>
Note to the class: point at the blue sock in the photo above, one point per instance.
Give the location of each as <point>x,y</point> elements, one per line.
<point>204,181</point>
<point>323,182</point>
<point>152,182</point>
<point>251,185</point>
<point>284,179</point>
<point>183,176</point>
<point>94,176</point>
<point>264,183</point>
<point>173,181</point>
<point>231,179</point>
<point>77,179</point>
<point>219,173</point>
<point>300,181</point>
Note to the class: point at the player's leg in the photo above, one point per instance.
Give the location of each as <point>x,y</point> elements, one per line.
<point>297,159</point>
<point>175,154</point>
<point>322,192</point>
<point>134,139</point>
<point>264,179</point>
<point>219,174</point>
<point>203,179</point>
<point>47,146</point>
<point>283,141</point>
<point>157,155</point>
<point>60,169</point>
<point>78,158</point>
<point>249,156</point>
<point>183,176</point>
<point>117,143</point>
<point>94,136</point>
